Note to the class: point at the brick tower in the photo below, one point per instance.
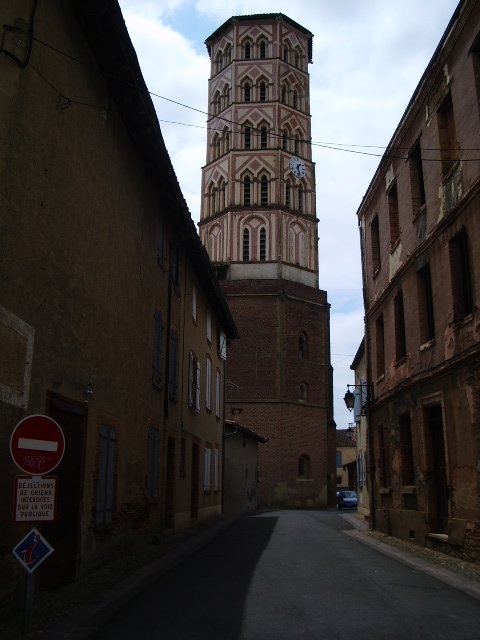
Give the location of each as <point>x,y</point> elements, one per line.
<point>258,222</point>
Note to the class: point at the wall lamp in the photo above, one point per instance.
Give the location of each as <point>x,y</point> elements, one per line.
<point>349,397</point>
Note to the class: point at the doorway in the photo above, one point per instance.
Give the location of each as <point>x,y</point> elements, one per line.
<point>436,470</point>
<point>64,533</point>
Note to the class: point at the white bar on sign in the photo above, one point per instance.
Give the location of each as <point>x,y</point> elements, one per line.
<point>39,445</point>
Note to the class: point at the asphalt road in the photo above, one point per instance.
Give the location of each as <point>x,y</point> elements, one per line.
<point>294,575</point>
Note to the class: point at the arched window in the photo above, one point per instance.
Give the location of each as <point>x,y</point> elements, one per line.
<point>212,196</point>
<point>263,49</point>
<point>300,199</point>
<point>247,92</point>
<point>215,146</point>
<point>304,467</point>
<point>285,140</point>
<point>263,138</point>
<point>295,99</point>
<point>303,391</point>
<point>247,138</point>
<point>228,54</point>
<point>263,244</point>
<point>288,195</point>
<point>302,346</point>
<point>218,61</point>
<point>296,56</point>
<point>264,191</point>
<point>297,146</point>
<point>221,193</point>
<point>247,50</point>
<point>216,103</point>
<point>226,140</point>
<point>286,53</point>
<point>246,245</point>
<point>263,92</point>
<point>284,94</point>
<point>246,191</point>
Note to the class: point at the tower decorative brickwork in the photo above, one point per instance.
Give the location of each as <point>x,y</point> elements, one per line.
<point>258,222</point>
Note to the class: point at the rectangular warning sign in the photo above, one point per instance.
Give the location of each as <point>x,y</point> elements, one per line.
<point>35,499</point>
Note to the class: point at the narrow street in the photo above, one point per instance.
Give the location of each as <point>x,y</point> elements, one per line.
<point>294,575</point>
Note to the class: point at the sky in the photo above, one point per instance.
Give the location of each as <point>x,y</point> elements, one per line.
<point>368,57</point>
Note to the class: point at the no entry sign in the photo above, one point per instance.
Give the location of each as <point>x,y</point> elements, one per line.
<point>37,445</point>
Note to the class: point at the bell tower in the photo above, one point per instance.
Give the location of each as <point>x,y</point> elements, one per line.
<point>258,222</point>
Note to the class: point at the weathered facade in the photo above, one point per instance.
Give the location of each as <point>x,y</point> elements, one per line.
<point>111,319</point>
<point>420,244</point>
<point>259,224</point>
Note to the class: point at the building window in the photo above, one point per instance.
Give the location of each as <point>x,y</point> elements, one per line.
<point>447,134</point>
<point>295,99</point>
<point>208,384</point>
<point>461,276</point>
<point>392,198</point>
<point>296,145</point>
<point>284,94</point>
<point>288,195</point>
<point>375,244</point>
<point>247,50</point>
<point>285,140</point>
<point>247,138</point>
<point>194,303</point>
<point>400,338</point>
<point>406,450</point>
<point>263,92</point>
<point>304,467</point>
<point>152,462</point>
<point>218,393</point>
<point>300,199</point>
<point>209,326</point>
<point>263,244</point>
<point>302,346</point>
<point>222,345</point>
<point>425,304</point>
<point>380,346</point>
<point>216,469</point>
<point>172,368</point>
<point>264,191</point>
<point>106,475</point>
<point>193,382</point>
<point>247,92</point>
<point>246,192</point>
<point>207,471</point>
<point>246,245</point>
<point>263,49</point>
<point>417,183</point>
<point>263,138</point>
<point>157,349</point>
<point>303,391</point>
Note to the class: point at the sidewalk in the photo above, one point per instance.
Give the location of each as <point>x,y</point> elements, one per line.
<point>74,612</point>
<point>459,574</point>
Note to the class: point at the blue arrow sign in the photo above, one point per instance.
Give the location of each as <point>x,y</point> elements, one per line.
<point>32,550</point>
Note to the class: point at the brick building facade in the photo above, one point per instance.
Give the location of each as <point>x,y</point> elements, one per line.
<point>259,224</point>
<point>420,246</point>
<point>111,319</point>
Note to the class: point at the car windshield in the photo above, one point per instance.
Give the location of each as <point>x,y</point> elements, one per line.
<point>349,494</point>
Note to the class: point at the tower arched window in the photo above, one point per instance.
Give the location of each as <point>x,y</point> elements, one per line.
<point>264,191</point>
<point>215,146</point>
<point>284,94</point>
<point>247,185</point>
<point>297,145</point>
<point>247,50</point>
<point>286,53</point>
<point>228,54</point>
<point>263,138</point>
<point>295,99</point>
<point>247,138</point>
<point>288,195</point>
<point>263,244</point>
<point>212,196</point>
<point>221,193</point>
<point>218,61</point>
<point>263,49</point>
<point>226,140</point>
<point>303,391</point>
<point>246,245</point>
<point>302,346</point>
<point>300,199</point>
<point>285,140</point>
<point>216,103</point>
<point>304,467</point>
<point>263,92</point>
<point>247,92</point>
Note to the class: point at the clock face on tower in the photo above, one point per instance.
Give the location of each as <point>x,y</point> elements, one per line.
<point>297,167</point>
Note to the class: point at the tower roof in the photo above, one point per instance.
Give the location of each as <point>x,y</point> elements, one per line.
<point>261,16</point>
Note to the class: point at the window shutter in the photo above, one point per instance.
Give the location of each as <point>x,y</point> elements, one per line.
<point>190,378</point>
<point>197,390</point>
<point>215,469</point>
<point>206,474</point>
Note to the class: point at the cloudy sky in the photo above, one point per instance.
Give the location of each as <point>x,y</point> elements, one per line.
<point>368,57</point>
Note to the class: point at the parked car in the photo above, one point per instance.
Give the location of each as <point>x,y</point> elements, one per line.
<point>347,500</point>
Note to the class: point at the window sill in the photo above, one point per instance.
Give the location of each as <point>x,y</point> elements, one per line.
<point>427,345</point>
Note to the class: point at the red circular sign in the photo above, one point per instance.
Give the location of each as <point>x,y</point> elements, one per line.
<point>37,445</point>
